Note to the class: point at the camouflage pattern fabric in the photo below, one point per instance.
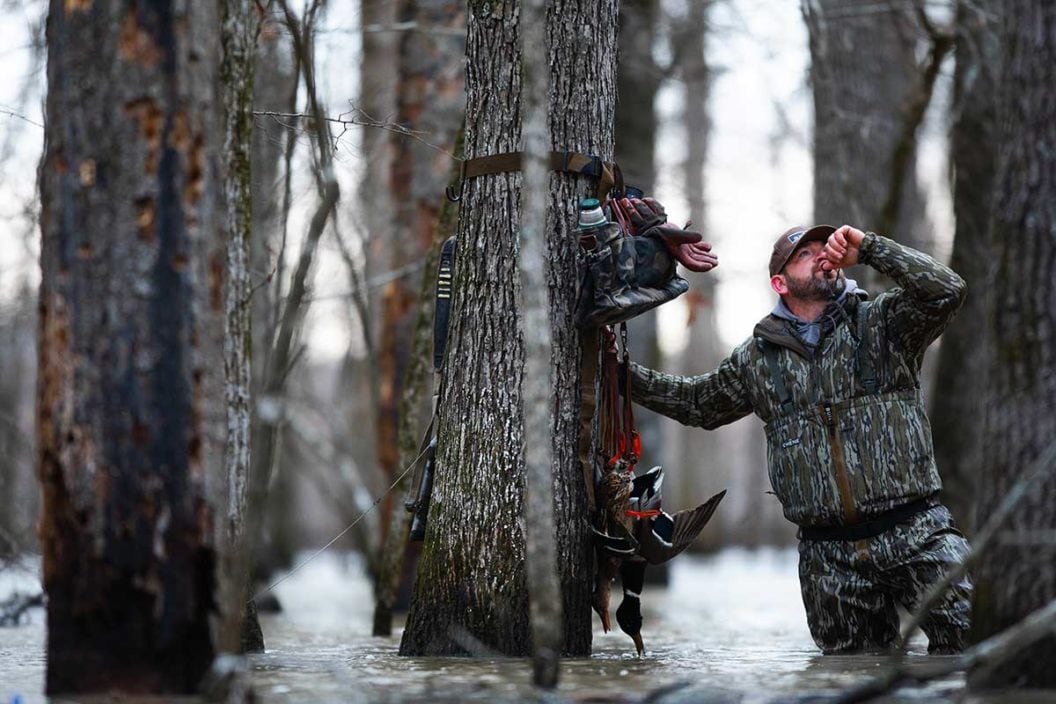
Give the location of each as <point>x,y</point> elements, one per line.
<point>626,276</point>
<point>837,455</point>
<point>850,589</point>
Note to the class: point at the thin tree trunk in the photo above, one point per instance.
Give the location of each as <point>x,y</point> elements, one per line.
<point>276,77</point>
<point>129,414</point>
<point>544,589</point>
<point>961,374</point>
<point>236,74</point>
<point>1021,409</point>
<point>470,592</point>
<point>265,434</point>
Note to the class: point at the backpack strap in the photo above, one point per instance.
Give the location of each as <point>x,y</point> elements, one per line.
<point>606,173</point>
<point>862,360</point>
<point>769,351</point>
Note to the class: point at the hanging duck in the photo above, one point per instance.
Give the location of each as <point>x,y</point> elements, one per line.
<point>631,529</point>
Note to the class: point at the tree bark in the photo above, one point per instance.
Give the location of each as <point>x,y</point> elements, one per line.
<point>961,374</point>
<point>238,35</point>
<point>1021,410</point>
<point>129,415</point>
<point>470,592</point>
<point>544,589</point>
<point>866,81</point>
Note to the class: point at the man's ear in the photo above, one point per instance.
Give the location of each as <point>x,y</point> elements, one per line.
<point>778,283</point>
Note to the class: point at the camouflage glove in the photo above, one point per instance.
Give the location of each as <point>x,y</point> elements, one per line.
<point>648,218</point>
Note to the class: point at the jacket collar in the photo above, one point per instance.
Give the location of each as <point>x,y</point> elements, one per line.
<point>780,329</point>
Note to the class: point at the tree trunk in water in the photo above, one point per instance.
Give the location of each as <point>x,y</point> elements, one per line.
<point>470,592</point>
<point>430,99</point>
<point>532,299</point>
<point>1019,576</point>
<point>957,424</point>
<point>129,414</point>
<point>239,38</point>
<point>865,77</point>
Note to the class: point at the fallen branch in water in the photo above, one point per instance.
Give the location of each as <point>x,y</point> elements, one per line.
<point>15,607</point>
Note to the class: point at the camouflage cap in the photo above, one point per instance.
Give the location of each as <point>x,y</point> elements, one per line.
<point>791,239</point>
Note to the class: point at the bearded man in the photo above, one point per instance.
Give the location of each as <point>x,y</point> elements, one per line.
<point>836,379</point>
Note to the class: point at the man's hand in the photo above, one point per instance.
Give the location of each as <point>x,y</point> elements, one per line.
<point>841,249</point>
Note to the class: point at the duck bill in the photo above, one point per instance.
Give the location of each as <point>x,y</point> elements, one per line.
<point>637,638</point>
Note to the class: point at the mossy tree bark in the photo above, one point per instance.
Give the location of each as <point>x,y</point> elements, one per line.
<point>1019,575</point>
<point>470,592</point>
<point>130,398</point>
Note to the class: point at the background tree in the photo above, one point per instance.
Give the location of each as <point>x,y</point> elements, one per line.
<point>870,95</point>
<point>1020,576</point>
<point>431,102</point>
<point>962,373</point>
<point>638,78</point>
<point>130,399</point>
<point>470,591</point>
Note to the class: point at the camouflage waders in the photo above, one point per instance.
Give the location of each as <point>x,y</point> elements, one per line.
<point>851,588</point>
<point>849,446</point>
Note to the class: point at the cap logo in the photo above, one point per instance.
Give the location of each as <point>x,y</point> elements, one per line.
<point>794,237</point>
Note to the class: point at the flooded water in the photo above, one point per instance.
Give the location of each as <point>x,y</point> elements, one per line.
<point>729,628</point>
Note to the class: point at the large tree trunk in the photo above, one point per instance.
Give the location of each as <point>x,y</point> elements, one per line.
<point>1020,575</point>
<point>962,368</point>
<point>867,83</point>
<point>130,414</point>
<point>471,588</point>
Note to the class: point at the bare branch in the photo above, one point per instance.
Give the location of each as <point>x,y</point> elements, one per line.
<point>346,122</point>
<point>20,116</point>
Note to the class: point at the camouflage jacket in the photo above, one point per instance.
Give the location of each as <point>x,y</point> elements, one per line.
<point>847,434</point>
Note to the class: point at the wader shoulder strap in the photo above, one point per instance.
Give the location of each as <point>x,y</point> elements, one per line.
<point>862,359</point>
<point>769,351</point>
<point>588,371</point>
<point>606,173</point>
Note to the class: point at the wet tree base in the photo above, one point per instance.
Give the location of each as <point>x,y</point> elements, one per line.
<point>252,635</point>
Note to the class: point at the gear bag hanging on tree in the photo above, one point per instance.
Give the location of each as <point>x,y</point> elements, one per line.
<point>630,263</point>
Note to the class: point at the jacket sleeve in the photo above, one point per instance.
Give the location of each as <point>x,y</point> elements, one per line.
<point>928,293</point>
<point>708,401</point>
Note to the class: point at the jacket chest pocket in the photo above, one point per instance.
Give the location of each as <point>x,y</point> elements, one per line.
<point>799,465</point>
<point>889,451</point>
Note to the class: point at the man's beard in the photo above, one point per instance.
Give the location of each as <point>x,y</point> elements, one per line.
<point>815,288</point>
